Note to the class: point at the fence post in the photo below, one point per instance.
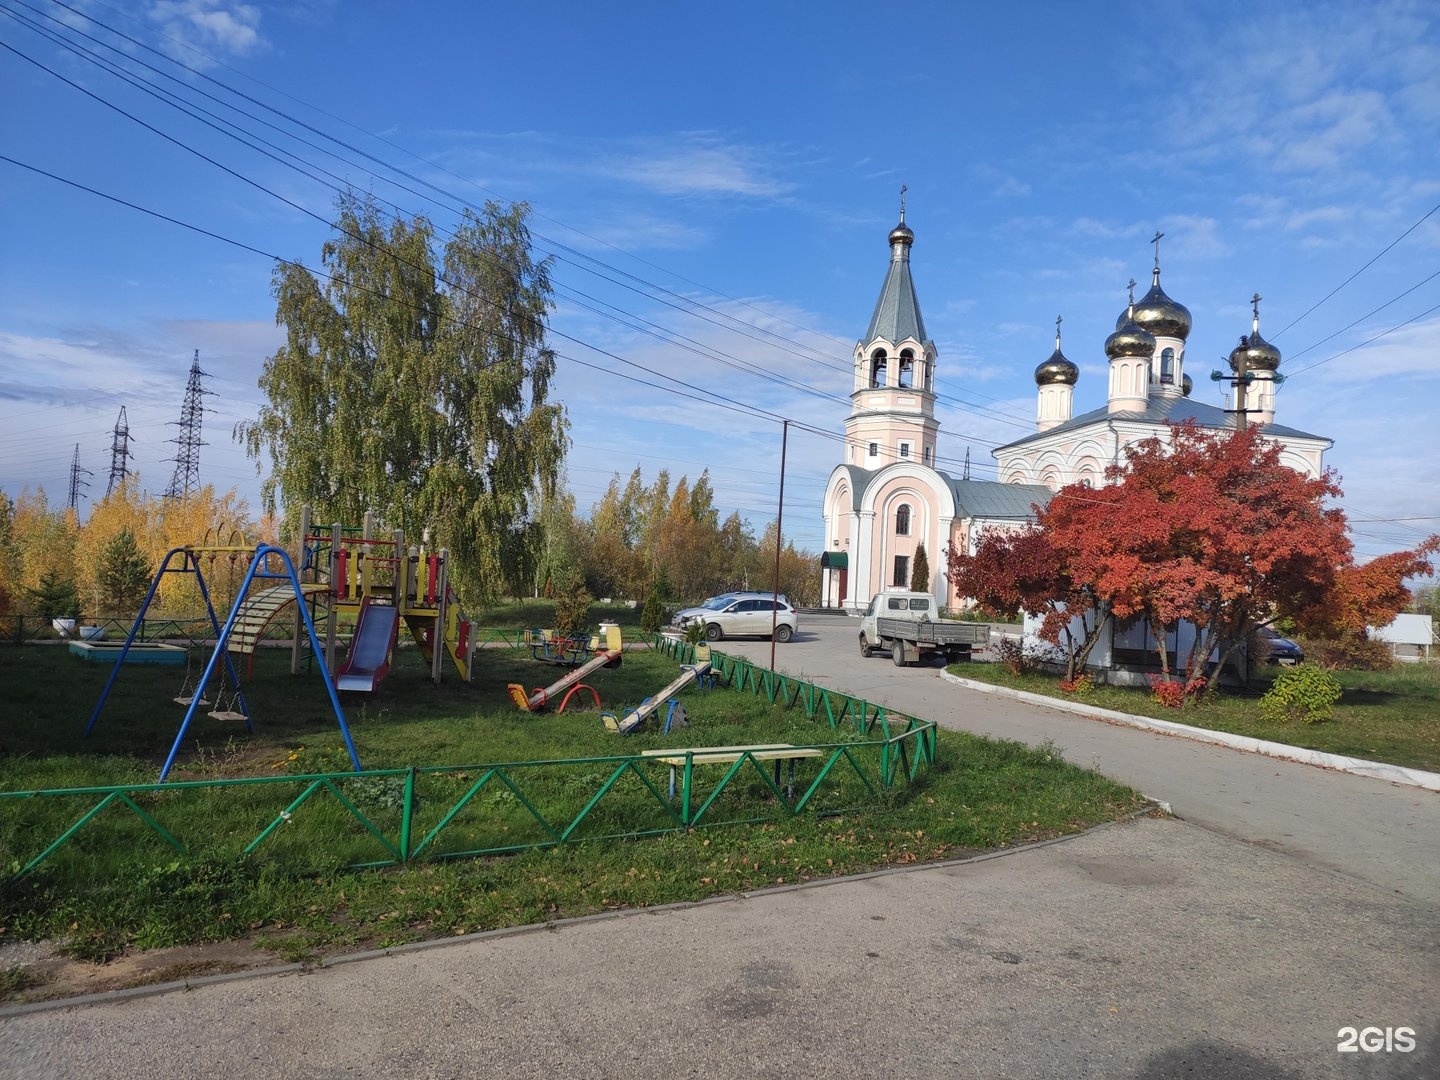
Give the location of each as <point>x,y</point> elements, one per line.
<point>407,814</point>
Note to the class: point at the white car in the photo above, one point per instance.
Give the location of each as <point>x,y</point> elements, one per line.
<point>742,614</point>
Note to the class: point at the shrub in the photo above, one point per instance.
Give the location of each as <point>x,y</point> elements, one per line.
<point>1171,691</point>
<point>124,575</point>
<point>1081,686</point>
<point>572,606</point>
<point>1012,654</point>
<point>920,575</point>
<point>652,616</point>
<point>55,598</point>
<point>1354,652</point>
<point>1304,692</point>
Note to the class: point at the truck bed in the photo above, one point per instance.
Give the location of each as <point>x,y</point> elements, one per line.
<point>926,632</point>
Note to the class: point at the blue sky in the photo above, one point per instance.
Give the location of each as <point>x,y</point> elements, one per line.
<point>724,177</point>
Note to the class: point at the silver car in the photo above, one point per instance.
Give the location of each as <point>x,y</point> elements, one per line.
<point>742,614</point>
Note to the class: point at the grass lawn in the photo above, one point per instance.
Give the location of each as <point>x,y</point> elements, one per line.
<point>1391,716</point>
<point>117,887</point>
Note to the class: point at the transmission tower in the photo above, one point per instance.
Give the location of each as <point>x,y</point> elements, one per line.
<point>119,453</point>
<point>76,471</point>
<point>186,480</point>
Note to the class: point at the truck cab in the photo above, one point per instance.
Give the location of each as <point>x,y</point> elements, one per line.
<point>893,604</point>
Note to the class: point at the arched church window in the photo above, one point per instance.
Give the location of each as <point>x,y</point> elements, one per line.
<point>877,368</point>
<point>902,521</point>
<point>928,374</point>
<point>907,368</point>
<point>1167,367</point>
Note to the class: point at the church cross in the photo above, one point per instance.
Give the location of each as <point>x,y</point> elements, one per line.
<point>1058,320</point>
<point>1156,241</point>
<point>1132,291</point>
<point>903,189</point>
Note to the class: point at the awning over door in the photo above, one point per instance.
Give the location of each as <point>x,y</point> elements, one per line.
<point>835,560</point>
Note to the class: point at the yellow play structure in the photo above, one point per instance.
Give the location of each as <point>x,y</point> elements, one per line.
<point>349,577</point>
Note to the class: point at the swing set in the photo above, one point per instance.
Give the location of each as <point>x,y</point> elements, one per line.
<point>264,562</point>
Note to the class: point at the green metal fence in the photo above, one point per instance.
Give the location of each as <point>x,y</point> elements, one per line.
<point>390,816</point>
<point>836,709</point>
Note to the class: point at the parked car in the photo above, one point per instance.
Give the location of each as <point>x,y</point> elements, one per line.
<point>742,614</point>
<point>1277,649</point>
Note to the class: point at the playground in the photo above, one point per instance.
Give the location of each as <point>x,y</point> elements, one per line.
<point>118,884</point>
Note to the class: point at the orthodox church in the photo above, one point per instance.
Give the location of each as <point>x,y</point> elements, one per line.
<point>888,497</point>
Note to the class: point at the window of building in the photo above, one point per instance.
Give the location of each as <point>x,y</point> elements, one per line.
<point>902,571</point>
<point>902,521</point>
<point>1167,367</point>
<point>874,449</point>
<point>904,449</point>
<point>877,368</point>
<point>907,368</point>
<point>927,455</point>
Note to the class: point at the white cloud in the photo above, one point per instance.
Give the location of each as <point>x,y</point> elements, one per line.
<point>1198,237</point>
<point>696,165</point>
<point>207,26</point>
<point>1003,185</point>
<point>1331,129</point>
<point>638,231</point>
<point>1413,350</point>
<point>1300,219</point>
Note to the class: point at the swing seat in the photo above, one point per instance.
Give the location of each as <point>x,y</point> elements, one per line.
<point>228,714</point>
<point>183,700</point>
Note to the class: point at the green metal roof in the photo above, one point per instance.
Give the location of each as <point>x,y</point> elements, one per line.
<point>991,499</point>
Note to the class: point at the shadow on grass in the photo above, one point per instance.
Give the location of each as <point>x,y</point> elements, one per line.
<point>1362,696</point>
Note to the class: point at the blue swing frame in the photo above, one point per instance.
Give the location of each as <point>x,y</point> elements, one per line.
<point>256,570</point>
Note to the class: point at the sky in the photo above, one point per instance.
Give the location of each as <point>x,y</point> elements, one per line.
<point>715,184</point>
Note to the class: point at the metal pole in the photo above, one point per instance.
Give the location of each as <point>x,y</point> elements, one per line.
<point>1242,393</point>
<point>779,539</point>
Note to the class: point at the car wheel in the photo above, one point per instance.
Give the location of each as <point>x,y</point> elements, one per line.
<point>783,634</point>
<point>865,649</point>
<point>713,632</point>
<point>897,653</point>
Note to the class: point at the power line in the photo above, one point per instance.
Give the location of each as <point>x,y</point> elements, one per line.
<point>685,305</point>
<point>1367,341</point>
<point>1362,269</point>
<point>697,393</point>
<point>1357,322</point>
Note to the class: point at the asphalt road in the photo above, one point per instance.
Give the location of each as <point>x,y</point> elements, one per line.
<point>1383,833</point>
<point>1150,948</point>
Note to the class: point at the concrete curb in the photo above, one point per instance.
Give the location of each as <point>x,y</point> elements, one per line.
<point>1377,770</point>
<point>181,985</point>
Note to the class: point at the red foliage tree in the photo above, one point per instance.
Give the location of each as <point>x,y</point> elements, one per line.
<point>1211,528</point>
<point>1021,570</point>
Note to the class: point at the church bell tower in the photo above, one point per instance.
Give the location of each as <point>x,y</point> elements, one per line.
<point>892,403</point>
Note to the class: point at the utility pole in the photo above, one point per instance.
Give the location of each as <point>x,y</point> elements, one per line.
<point>1242,378</point>
<point>779,540</point>
<point>119,453</point>
<point>76,471</point>
<point>186,479</point>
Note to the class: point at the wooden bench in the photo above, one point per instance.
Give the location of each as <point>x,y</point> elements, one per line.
<point>678,758</point>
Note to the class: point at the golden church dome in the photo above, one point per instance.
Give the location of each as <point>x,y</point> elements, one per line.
<point>1157,313</point>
